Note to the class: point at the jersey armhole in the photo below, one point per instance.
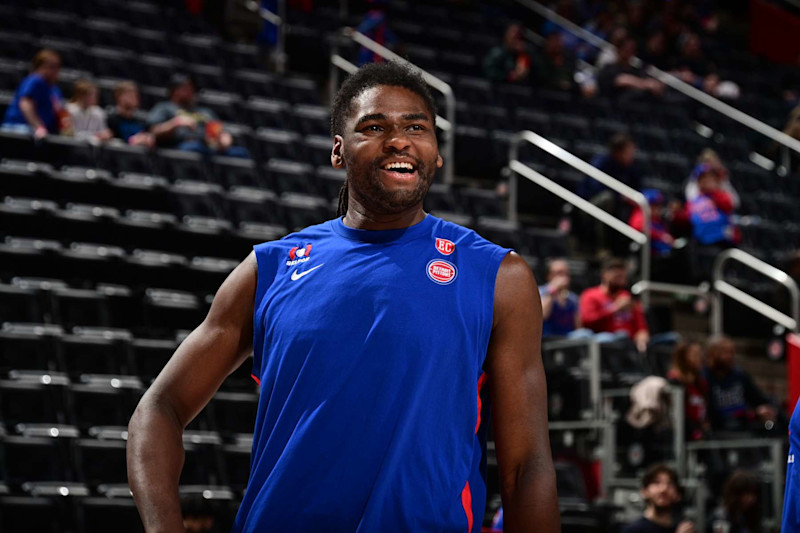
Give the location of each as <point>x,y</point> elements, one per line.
<point>490,282</point>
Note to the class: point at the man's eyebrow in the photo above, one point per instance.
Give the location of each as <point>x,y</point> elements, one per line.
<point>416,116</point>
<point>373,116</point>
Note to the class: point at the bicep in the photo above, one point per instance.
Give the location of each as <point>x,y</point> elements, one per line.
<point>214,349</point>
<point>516,374</point>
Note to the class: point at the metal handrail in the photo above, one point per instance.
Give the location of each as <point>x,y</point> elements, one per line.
<point>593,349</point>
<point>517,167</point>
<point>668,79</point>
<point>643,286</point>
<point>446,123</point>
<point>723,287</point>
<point>278,19</point>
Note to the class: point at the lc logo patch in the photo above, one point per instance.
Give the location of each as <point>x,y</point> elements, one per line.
<point>443,246</point>
<point>441,272</point>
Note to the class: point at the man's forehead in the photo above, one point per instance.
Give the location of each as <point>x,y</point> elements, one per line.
<point>388,100</point>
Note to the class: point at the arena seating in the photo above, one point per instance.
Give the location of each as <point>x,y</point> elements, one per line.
<point>111,253</point>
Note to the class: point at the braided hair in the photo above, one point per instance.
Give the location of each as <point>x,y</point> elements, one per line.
<point>369,76</point>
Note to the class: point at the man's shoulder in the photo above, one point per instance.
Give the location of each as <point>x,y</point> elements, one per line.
<point>304,236</point>
<point>466,238</point>
<point>592,291</point>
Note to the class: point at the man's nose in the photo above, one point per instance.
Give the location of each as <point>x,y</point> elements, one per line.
<point>396,141</point>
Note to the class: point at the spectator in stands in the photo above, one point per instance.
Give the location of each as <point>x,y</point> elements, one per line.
<point>670,262</point>
<point>554,68</point>
<point>692,67</point>
<point>711,158</point>
<point>735,402</point>
<point>662,494</point>
<point>181,124</point>
<point>624,81</point>
<point>662,240</point>
<point>610,308</point>
<point>376,27</point>
<point>37,104</point>
<point>710,211</point>
<point>559,304</point>
<point>87,118</point>
<point>687,371</point>
<point>655,50</point>
<point>126,121</point>
<point>608,56</point>
<point>741,505</point>
<point>619,163</point>
<point>510,61</point>
<point>785,156</point>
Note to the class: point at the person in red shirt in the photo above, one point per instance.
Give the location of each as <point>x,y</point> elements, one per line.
<point>610,308</point>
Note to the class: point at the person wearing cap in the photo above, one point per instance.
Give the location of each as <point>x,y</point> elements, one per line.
<point>661,239</point>
<point>610,308</point>
<point>181,124</point>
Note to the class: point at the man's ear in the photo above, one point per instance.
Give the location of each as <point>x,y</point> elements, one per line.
<point>439,161</point>
<point>337,152</point>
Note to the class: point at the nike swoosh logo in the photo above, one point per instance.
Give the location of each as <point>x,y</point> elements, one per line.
<point>297,275</point>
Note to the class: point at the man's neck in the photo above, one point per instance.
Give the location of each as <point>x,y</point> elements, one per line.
<point>661,517</point>
<point>357,217</point>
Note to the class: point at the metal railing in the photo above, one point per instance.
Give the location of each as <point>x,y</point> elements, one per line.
<point>278,19</point>
<point>593,350</point>
<point>446,123</point>
<point>670,80</point>
<point>722,287</point>
<point>773,471</point>
<point>642,238</point>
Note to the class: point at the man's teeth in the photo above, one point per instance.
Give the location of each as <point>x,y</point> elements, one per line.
<point>392,166</point>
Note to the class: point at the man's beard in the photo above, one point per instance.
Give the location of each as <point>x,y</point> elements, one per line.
<point>365,184</point>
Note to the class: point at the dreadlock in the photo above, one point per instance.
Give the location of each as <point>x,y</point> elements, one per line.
<point>367,77</point>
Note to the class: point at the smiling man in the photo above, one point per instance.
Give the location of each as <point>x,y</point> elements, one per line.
<point>380,340</point>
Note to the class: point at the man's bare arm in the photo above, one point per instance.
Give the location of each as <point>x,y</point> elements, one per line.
<point>519,403</point>
<point>183,388</point>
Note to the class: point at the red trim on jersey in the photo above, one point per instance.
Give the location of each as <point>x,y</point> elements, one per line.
<point>466,502</point>
<point>308,249</point>
<point>481,383</point>
<point>256,379</point>
<point>291,253</point>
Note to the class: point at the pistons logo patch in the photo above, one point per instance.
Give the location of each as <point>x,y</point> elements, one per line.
<point>443,246</point>
<point>441,272</point>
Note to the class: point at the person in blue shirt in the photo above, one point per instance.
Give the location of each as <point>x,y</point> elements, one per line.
<point>380,340</point>
<point>376,27</point>
<point>37,101</point>
<point>559,304</point>
<point>735,402</point>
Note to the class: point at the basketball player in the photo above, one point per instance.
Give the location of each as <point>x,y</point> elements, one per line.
<point>791,496</point>
<point>379,338</point>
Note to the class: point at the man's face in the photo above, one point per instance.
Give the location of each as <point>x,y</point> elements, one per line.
<point>626,155</point>
<point>183,95</point>
<point>707,182</point>
<point>389,149</point>
<point>515,38</point>
<point>615,278</point>
<point>661,493</point>
<point>721,355</point>
<point>558,269</point>
<point>50,70</point>
<point>128,99</point>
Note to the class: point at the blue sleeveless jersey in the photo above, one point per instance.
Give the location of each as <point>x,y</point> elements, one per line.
<point>369,347</point>
<point>791,496</point>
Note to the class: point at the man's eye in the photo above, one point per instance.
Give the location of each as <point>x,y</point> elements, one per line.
<point>417,127</point>
<point>374,127</point>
